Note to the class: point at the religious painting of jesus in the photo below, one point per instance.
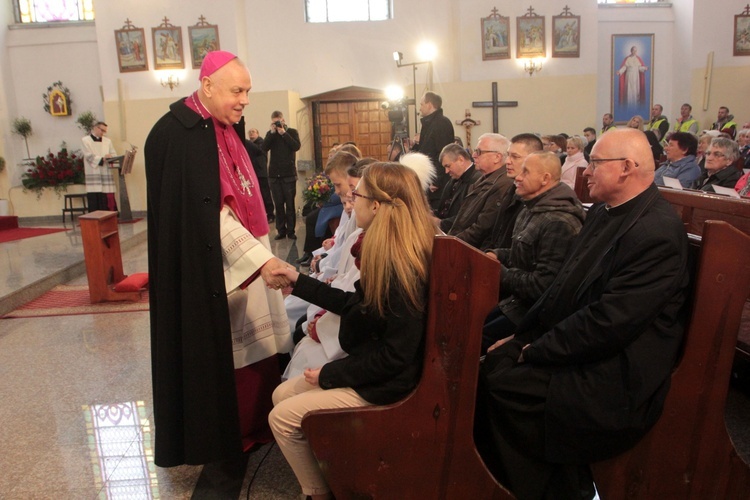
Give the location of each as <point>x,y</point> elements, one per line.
<point>530,36</point>
<point>742,33</point>
<point>168,51</point>
<point>204,38</point>
<point>495,37</point>
<point>131,49</point>
<point>632,76</point>
<point>566,34</point>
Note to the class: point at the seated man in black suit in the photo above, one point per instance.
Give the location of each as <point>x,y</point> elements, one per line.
<point>587,372</point>
<point>458,165</point>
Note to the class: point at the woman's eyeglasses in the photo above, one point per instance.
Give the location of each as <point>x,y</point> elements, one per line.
<point>355,195</point>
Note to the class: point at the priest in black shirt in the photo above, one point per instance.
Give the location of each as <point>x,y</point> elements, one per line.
<point>587,371</point>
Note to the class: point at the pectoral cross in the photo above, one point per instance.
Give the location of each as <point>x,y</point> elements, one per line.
<point>246,184</point>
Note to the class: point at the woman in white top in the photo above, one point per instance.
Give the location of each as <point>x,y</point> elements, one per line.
<point>574,160</point>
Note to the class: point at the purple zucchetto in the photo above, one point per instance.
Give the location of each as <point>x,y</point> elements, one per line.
<point>213,61</point>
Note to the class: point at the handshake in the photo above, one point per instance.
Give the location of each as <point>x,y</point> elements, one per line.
<point>278,274</point>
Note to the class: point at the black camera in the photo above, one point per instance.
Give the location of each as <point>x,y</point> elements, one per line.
<point>278,124</point>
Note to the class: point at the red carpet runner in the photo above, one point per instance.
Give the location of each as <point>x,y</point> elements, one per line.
<point>68,300</point>
<point>20,233</point>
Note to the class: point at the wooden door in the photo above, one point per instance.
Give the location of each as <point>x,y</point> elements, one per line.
<point>363,122</point>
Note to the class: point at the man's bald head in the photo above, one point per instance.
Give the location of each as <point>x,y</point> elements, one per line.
<point>224,92</point>
<point>621,167</point>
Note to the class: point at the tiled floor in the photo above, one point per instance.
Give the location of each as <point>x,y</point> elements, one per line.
<point>75,399</point>
<point>75,394</point>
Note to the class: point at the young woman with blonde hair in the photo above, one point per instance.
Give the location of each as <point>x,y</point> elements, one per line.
<point>382,321</point>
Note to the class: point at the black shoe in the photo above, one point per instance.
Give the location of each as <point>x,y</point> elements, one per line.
<point>291,236</point>
<point>279,236</point>
<point>305,259</point>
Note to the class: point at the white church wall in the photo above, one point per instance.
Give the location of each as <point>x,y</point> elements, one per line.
<point>713,32</point>
<point>38,57</point>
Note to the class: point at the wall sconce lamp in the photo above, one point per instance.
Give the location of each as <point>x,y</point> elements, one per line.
<point>171,82</point>
<point>532,66</point>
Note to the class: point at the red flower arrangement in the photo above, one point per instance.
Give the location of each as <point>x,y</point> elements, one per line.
<point>55,171</point>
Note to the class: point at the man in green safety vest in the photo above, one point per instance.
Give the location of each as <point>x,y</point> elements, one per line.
<point>659,123</point>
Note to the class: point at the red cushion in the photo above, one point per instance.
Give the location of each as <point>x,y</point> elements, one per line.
<point>133,283</point>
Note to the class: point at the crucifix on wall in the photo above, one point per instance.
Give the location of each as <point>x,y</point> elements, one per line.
<point>495,105</point>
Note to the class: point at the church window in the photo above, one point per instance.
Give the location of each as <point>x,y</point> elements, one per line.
<point>54,11</point>
<point>631,1</point>
<point>331,11</point>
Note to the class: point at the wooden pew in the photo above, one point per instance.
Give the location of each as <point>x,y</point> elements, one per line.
<point>582,187</point>
<point>422,447</point>
<point>695,208</point>
<point>688,453</point>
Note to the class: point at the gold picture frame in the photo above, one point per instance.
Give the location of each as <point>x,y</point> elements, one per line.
<point>495,36</point>
<point>168,46</point>
<point>566,34</point>
<point>530,35</point>
<point>204,38</point>
<point>130,42</point>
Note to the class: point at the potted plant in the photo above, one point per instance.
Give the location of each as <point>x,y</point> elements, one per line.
<point>22,127</point>
<point>86,121</point>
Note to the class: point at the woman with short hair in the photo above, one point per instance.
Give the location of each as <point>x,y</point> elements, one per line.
<point>721,156</point>
<point>574,160</point>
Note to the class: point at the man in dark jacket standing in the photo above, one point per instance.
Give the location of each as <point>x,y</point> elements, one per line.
<point>259,158</point>
<point>588,370</point>
<point>437,132</point>
<point>283,143</point>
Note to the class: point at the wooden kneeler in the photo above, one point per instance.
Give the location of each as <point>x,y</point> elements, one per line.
<point>101,251</point>
<point>688,453</point>
<point>422,447</point>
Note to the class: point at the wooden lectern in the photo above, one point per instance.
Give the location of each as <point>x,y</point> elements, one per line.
<point>101,251</point>
<point>123,165</point>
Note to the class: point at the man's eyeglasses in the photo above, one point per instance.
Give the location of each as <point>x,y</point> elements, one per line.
<point>480,152</point>
<point>355,194</point>
<point>717,154</point>
<point>594,162</point>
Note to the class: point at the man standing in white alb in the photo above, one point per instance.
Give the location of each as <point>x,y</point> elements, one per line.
<point>100,185</point>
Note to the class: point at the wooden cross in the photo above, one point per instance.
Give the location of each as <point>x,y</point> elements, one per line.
<point>494,104</point>
<point>467,123</point>
<point>531,12</point>
<point>495,12</point>
<point>566,12</point>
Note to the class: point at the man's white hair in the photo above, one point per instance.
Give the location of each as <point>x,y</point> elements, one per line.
<point>422,165</point>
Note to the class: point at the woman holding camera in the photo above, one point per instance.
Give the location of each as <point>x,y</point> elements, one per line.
<point>382,321</point>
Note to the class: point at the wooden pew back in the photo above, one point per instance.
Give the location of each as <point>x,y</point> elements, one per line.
<point>422,447</point>
<point>696,207</point>
<point>688,453</point>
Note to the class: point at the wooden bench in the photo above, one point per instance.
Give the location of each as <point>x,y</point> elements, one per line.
<point>422,447</point>
<point>688,453</point>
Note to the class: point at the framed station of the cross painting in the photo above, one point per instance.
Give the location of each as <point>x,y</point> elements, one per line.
<point>566,35</point>
<point>632,76</point>
<point>495,36</point>
<point>204,38</point>
<point>168,47</point>
<point>530,36</point>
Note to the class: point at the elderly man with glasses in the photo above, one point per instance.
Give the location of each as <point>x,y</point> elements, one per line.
<point>479,209</point>
<point>587,371</point>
